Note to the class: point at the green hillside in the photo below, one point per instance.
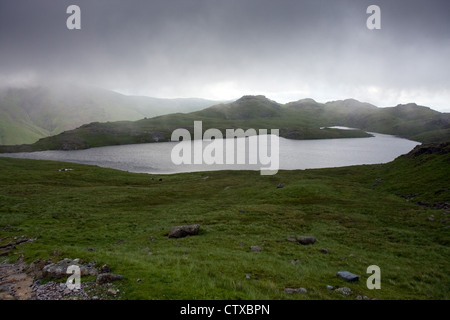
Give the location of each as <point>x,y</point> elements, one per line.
<point>393,215</point>
<point>28,114</point>
<point>304,119</point>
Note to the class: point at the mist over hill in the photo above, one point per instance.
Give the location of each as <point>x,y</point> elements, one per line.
<point>28,114</point>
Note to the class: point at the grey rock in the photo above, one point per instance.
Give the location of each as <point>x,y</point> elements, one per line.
<point>59,269</point>
<point>280,186</point>
<point>305,240</point>
<point>345,291</point>
<point>183,231</point>
<point>112,291</point>
<point>255,248</point>
<point>330,287</point>
<point>108,277</point>
<point>295,290</point>
<point>347,276</point>
<point>324,250</point>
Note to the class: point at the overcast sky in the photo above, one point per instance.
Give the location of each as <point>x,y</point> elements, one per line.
<point>223,49</point>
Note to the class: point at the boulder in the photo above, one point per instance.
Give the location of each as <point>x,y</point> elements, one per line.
<point>347,276</point>
<point>183,231</point>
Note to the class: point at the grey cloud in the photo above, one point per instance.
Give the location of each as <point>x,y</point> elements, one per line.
<point>226,47</point>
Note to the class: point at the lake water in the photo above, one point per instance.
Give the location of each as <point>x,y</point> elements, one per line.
<point>155,158</point>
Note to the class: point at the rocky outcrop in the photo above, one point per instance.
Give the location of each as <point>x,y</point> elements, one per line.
<point>59,269</point>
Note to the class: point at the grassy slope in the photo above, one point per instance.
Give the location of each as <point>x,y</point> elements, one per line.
<point>354,212</point>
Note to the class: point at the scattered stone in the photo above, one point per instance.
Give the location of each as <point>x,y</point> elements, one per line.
<point>35,268</point>
<point>247,276</point>
<point>112,291</point>
<point>255,248</point>
<point>345,291</point>
<point>280,186</point>
<point>241,211</point>
<point>352,255</point>
<point>431,218</point>
<point>295,290</point>
<point>294,261</point>
<point>326,251</point>
<point>306,240</point>
<point>90,249</point>
<point>330,287</point>
<point>347,276</point>
<point>106,269</point>
<point>183,231</point>
<point>108,277</point>
<point>138,280</point>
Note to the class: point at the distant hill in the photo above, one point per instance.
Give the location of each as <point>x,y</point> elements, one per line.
<point>303,119</point>
<point>28,114</point>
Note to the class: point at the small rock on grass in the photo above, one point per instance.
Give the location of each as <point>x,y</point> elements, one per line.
<point>255,248</point>
<point>305,240</point>
<point>347,276</point>
<point>108,277</point>
<point>295,290</point>
<point>345,291</point>
<point>106,269</point>
<point>184,231</point>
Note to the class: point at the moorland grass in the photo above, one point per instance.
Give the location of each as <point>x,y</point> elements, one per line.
<point>363,215</point>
